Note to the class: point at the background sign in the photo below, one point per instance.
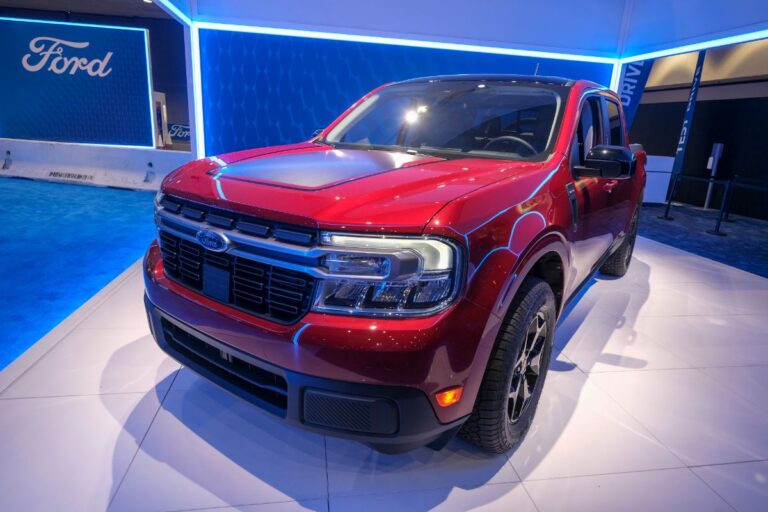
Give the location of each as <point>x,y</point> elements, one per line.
<point>70,82</point>
<point>178,131</point>
<point>634,76</point>
<point>685,131</point>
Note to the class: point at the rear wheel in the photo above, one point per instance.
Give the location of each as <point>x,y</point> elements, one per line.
<point>511,387</point>
<point>618,263</point>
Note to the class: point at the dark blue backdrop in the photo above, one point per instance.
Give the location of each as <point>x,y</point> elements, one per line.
<point>261,90</point>
<point>42,104</point>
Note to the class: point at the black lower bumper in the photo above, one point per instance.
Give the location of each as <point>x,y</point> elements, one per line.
<point>389,418</point>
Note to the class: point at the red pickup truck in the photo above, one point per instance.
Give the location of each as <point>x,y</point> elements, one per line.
<point>397,279</point>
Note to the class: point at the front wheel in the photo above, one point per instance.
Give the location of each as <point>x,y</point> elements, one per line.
<point>514,378</point>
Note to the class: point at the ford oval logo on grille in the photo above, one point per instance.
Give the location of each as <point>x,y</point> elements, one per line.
<point>212,240</point>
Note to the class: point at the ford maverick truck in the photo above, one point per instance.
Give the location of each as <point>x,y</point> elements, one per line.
<point>397,278</point>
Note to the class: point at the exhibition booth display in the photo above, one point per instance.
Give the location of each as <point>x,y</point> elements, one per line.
<point>80,106</point>
<point>384,258</point>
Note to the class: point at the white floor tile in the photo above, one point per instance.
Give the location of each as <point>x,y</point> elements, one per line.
<point>698,418</point>
<point>69,453</point>
<point>682,299</point>
<point>671,490</point>
<point>488,498</point>
<point>124,309</point>
<point>208,448</point>
<point>356,469</point>
<point>579,430</point>
<point>744,486</point>
<point>599,342</point>
<point>285,506</point>
<point>748,382</point>
<point>94,361</point>
<point>710,341</point>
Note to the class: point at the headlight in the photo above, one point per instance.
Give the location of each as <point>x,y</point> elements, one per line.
<point>158,198</point>
<point>381,275</point>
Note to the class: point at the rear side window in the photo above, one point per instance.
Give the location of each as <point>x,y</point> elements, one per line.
<point>615,131</point>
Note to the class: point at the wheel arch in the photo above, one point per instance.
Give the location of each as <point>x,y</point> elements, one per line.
<point>548,259</point>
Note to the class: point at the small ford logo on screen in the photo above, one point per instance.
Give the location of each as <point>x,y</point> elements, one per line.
<point>212,240</point>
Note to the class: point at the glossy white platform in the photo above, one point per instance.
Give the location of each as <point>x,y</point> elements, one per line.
<point>658,400</point>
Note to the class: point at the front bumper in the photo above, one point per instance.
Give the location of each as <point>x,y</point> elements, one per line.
<point>390,418</point>
<point>429,354</point>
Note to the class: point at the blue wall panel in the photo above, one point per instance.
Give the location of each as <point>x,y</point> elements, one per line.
<point>260,90</point>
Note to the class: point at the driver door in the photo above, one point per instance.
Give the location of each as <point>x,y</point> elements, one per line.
<point>591,228</point>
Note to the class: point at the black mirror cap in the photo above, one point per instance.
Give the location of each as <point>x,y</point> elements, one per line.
<point>610,162</point>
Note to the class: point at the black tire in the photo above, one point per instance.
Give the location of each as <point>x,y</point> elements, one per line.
<point>618,262</point>
<point>498,422</point>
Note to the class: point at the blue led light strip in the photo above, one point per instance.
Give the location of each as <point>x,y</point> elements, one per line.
<point>615,76</point>
<point>617,63</point>
<point>704,45</point>
<point>149,86</point>
<point>197,91</point>
<point>70,23</point>
<point>402,42</point>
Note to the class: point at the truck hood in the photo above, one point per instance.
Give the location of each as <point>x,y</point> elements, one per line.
<point>316,185</point>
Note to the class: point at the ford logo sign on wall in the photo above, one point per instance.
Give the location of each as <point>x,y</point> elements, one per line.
<point>212,240</point>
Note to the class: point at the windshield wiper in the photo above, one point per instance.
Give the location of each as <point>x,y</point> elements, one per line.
<point>436,148</point>
<point>418,150</point>
<point>437,151</point>
<point>353,145</point>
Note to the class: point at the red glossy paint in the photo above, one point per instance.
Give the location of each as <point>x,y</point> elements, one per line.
<point>504,214</point>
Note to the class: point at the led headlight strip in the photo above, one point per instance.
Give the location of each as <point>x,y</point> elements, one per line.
<point>388,276</point>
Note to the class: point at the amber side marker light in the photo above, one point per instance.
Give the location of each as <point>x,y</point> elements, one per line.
<point>449,396</point>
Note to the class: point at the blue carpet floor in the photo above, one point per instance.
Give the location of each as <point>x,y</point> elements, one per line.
<point>60,245</point>
<point>744,247</point>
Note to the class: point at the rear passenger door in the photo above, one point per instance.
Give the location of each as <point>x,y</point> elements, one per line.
<point>618,192</point>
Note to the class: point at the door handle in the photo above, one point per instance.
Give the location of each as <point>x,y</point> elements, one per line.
<point>609,186</point>
<point>571,190</point>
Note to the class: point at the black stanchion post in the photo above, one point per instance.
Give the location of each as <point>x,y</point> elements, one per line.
<point>723,206</point>
<point>727,217</point>
<point>669,199</point>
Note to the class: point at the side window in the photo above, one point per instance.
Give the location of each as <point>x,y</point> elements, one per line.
<point>616,131</point>
<point>588,132</point>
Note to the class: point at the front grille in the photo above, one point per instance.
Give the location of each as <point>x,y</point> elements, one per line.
<point>179,208</point>
<point>268,389</point>
<point>267,291</point>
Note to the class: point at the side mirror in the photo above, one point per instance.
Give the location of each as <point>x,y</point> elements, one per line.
<point>612,162</point>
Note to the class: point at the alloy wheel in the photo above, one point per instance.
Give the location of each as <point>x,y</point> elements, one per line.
<point>525,376</point>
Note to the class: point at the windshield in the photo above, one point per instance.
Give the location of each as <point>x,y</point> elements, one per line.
<point>484,118</point>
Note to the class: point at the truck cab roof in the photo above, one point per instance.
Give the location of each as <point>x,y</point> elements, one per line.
<point>523,79</point>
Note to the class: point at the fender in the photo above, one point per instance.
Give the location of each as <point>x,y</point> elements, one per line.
<point>547,242</point>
